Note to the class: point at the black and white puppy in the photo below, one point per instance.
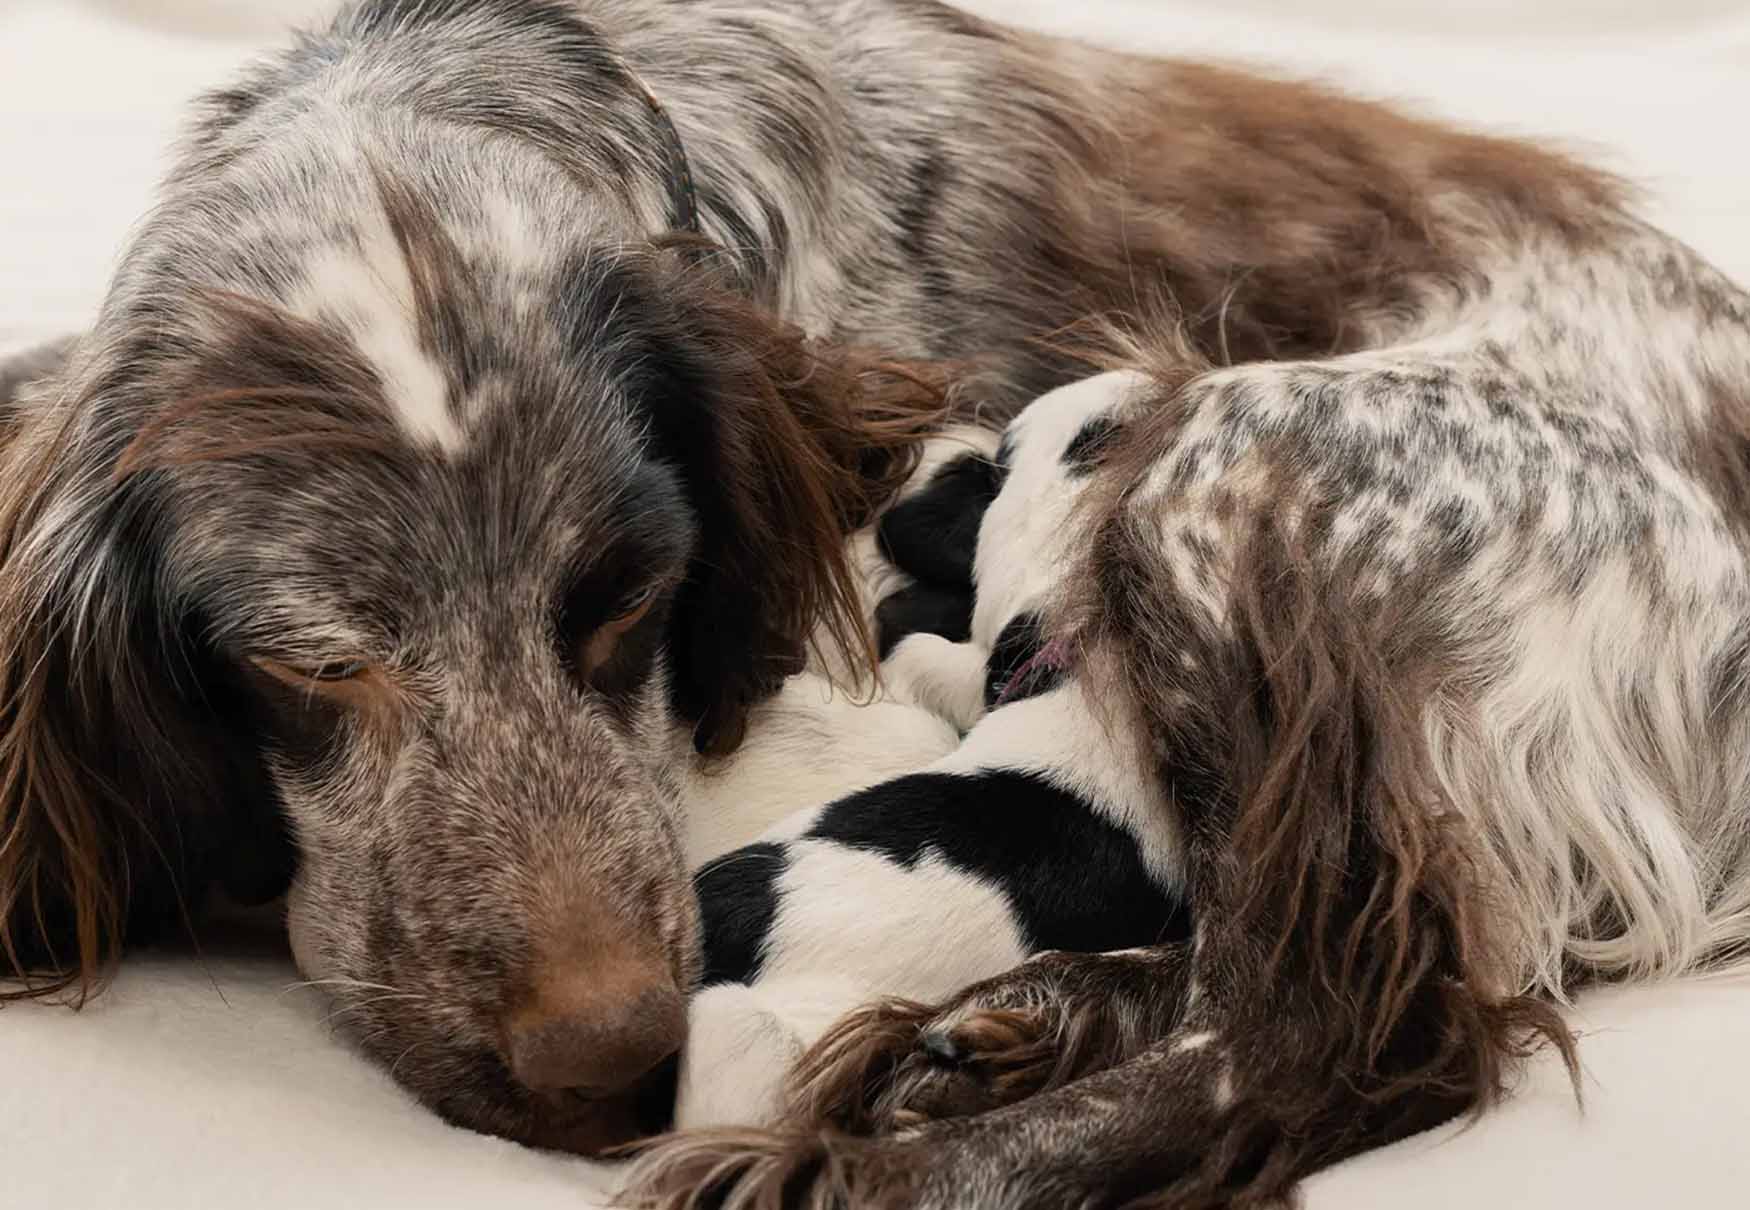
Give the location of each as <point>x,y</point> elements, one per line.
<point>1041,831</point>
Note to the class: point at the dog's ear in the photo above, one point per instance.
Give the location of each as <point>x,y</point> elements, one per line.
<point>127,782</point>
<point>788,445</point>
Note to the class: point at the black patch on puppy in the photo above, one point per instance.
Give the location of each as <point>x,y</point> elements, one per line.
<point>933,534</point>
<point>923,609</point>
<point>1074,880</point>
<point>1012,656</point>
<point>738,899</point>
<point>1089,445</point>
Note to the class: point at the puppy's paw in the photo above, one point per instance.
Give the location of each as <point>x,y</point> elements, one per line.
<point>945,678</point>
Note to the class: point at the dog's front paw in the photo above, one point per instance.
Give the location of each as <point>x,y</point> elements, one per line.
<point>999,1041</point>
<point>896,1065</point>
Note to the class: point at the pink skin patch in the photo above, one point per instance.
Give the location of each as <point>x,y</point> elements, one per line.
<point>1053,657</point>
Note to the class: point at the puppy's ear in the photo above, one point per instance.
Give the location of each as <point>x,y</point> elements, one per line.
<point>794,446</point>
<point>127,782</point>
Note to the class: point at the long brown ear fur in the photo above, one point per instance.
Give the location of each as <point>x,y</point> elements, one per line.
<point>808,441</point>
<point>127,777</point>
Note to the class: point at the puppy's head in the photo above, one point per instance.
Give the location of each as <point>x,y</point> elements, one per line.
<point>1043,465</point>
<point>376,542</point>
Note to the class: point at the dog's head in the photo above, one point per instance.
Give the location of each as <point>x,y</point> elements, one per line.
<point>381,541</point>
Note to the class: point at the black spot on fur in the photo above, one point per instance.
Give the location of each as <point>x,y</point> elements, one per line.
<point>933,535</point>
<point>738,898</point>
<point>1075,880</point>
<point>915,215</point>
<point>923,609</point>
<point>1089,445</point>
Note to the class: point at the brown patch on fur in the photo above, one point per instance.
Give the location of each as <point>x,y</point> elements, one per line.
<point>272,384</point>
<point>1279,218</point>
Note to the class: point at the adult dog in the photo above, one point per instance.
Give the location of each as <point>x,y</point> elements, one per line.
<point>414,482</point>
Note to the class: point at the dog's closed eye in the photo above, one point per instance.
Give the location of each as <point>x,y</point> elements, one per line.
<point>599,647</point>
<point>608,624</point>
<point>338,670</point>
<point>351,683</point>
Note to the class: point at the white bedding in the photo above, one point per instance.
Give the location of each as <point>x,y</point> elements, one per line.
<point>214,1082</point>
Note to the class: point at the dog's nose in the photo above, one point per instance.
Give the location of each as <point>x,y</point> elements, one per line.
<point>595,1036</point>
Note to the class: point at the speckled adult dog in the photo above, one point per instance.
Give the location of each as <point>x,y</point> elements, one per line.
<point>413,486</point>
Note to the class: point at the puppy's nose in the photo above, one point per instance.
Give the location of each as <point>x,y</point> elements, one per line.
<point>596,1036</point>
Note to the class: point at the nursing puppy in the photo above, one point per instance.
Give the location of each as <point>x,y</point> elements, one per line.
<point>418,487</point>
<point>1039,832</point>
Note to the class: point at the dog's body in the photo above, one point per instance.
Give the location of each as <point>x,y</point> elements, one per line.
<point>413,494</point>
